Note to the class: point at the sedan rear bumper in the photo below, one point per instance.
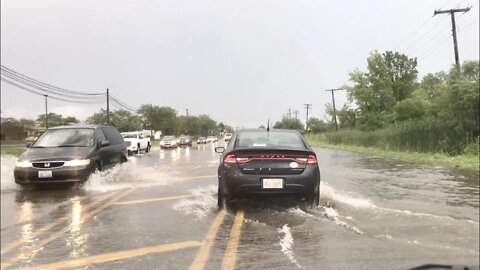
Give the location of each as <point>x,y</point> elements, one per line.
<point>238,184</point>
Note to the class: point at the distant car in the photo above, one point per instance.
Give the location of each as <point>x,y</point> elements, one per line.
<point>70,154</point>
<point>169,142</point>
<point>136,142</point>
<point>262,163</point>
<point>201,140</point>
<point>228,136</point>
<point>185,140</point>
<point>212,139</point>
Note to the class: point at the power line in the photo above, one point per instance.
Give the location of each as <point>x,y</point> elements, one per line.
<point>36,86</point>
<point>59,89</point>
<point>53,97</point>
<point>434,48</point>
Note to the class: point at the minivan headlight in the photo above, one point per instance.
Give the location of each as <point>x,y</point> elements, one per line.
<point>77,162</point>
<point>23,164</point>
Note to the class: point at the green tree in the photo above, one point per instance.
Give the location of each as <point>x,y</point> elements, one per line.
<point>159,118</point>
<point>55,120</point>
<point>391,78</point>
<point>316,125</point>
<point>346,117</point>
<point>289,123</point>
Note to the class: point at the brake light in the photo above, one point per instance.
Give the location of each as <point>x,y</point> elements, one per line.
<point>230,159</point>
<point>312,159</point>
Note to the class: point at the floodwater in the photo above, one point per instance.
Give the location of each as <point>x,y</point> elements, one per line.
<point>158,211</point>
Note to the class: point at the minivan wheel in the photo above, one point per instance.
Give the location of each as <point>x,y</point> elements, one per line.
<point>138,149</point>
<point>148,148</point>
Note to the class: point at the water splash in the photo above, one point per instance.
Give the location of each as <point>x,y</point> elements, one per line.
<point>7,180</point>
<point>200,205</point>
<point>287,244</point>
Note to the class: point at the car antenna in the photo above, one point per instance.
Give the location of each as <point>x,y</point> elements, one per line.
<point>268,126</point>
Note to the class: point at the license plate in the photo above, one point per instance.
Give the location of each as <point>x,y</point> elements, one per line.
<point>44,174</point>
<point>272,183</point>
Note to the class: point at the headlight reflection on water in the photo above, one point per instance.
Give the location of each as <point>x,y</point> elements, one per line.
<point>76,239</point>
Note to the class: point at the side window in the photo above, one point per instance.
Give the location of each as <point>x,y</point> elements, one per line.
<point>100,136</point>
<point>112,134</point>
<point>140,135</point>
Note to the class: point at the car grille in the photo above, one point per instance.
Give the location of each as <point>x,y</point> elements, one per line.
<point>43,165</point>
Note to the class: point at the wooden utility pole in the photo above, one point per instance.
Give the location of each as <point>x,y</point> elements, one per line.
<point>454,28</point>
<point>296,114</point>
<point>46,111</point>
<point>289,113</point>
<point>308,107</point>
<point>108,107</point>
<point>334,109</point>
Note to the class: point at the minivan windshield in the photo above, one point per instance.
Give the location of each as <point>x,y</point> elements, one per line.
<point>68,137</point>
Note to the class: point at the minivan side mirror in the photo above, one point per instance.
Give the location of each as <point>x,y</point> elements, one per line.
<point>29,144</point>
<point>220,149</point>
<point>104,144</point>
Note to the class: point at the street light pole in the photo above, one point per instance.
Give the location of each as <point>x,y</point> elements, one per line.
<point>46,111</point>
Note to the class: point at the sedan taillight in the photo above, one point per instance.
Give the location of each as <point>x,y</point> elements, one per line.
<point>230,159</point>
<point>312,159</point>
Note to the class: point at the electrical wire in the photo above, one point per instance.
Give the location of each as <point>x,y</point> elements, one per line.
<point>33,85</point>
<point>49,96</point>
<point>6,69</point>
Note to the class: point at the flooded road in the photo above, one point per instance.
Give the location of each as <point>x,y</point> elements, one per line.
<point>158,211</point>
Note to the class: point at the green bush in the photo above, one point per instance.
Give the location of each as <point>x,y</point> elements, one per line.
<point>415,136</point>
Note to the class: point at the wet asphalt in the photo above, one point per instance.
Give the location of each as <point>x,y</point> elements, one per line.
<point>158,211</point>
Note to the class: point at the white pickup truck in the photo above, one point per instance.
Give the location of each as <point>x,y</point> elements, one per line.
<point>136,142</point>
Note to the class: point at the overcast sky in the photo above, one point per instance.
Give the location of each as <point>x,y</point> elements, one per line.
<point>240,62</point>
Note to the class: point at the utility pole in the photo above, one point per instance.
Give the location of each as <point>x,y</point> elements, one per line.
<point>334,109</point>
<point>46,111</point>
<point>108,107</point>
<point>289,113</point>
<point>186,112</point>
<point>308,107</point>
<point>454,29</point>
<point>296,114</point>
<point>151,121</point>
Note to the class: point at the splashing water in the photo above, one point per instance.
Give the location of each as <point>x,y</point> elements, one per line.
<point>7,180</point>
<point>201,205</point>
<point>287,243</point>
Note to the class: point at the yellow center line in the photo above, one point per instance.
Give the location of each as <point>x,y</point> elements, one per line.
<point>48,226</point>
<point>156,199</point>
<point>204,251</point>
<point>231,253</point>
<point>86,216</point>
<point>114,256</point>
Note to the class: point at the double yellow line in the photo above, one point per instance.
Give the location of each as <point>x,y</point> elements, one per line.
<point>230,257</point>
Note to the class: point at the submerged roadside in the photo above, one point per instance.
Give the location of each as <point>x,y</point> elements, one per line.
<point>470,162</point>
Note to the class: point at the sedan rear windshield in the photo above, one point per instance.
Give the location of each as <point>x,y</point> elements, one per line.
<point>68,137</point>
<point>271,139</point>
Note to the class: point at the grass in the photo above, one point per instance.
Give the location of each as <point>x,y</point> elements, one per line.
<point>460,161</point>
<point>12,149</point>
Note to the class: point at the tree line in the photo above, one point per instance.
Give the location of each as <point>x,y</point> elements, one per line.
<point>148,117</point>
<point>390,107</point>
